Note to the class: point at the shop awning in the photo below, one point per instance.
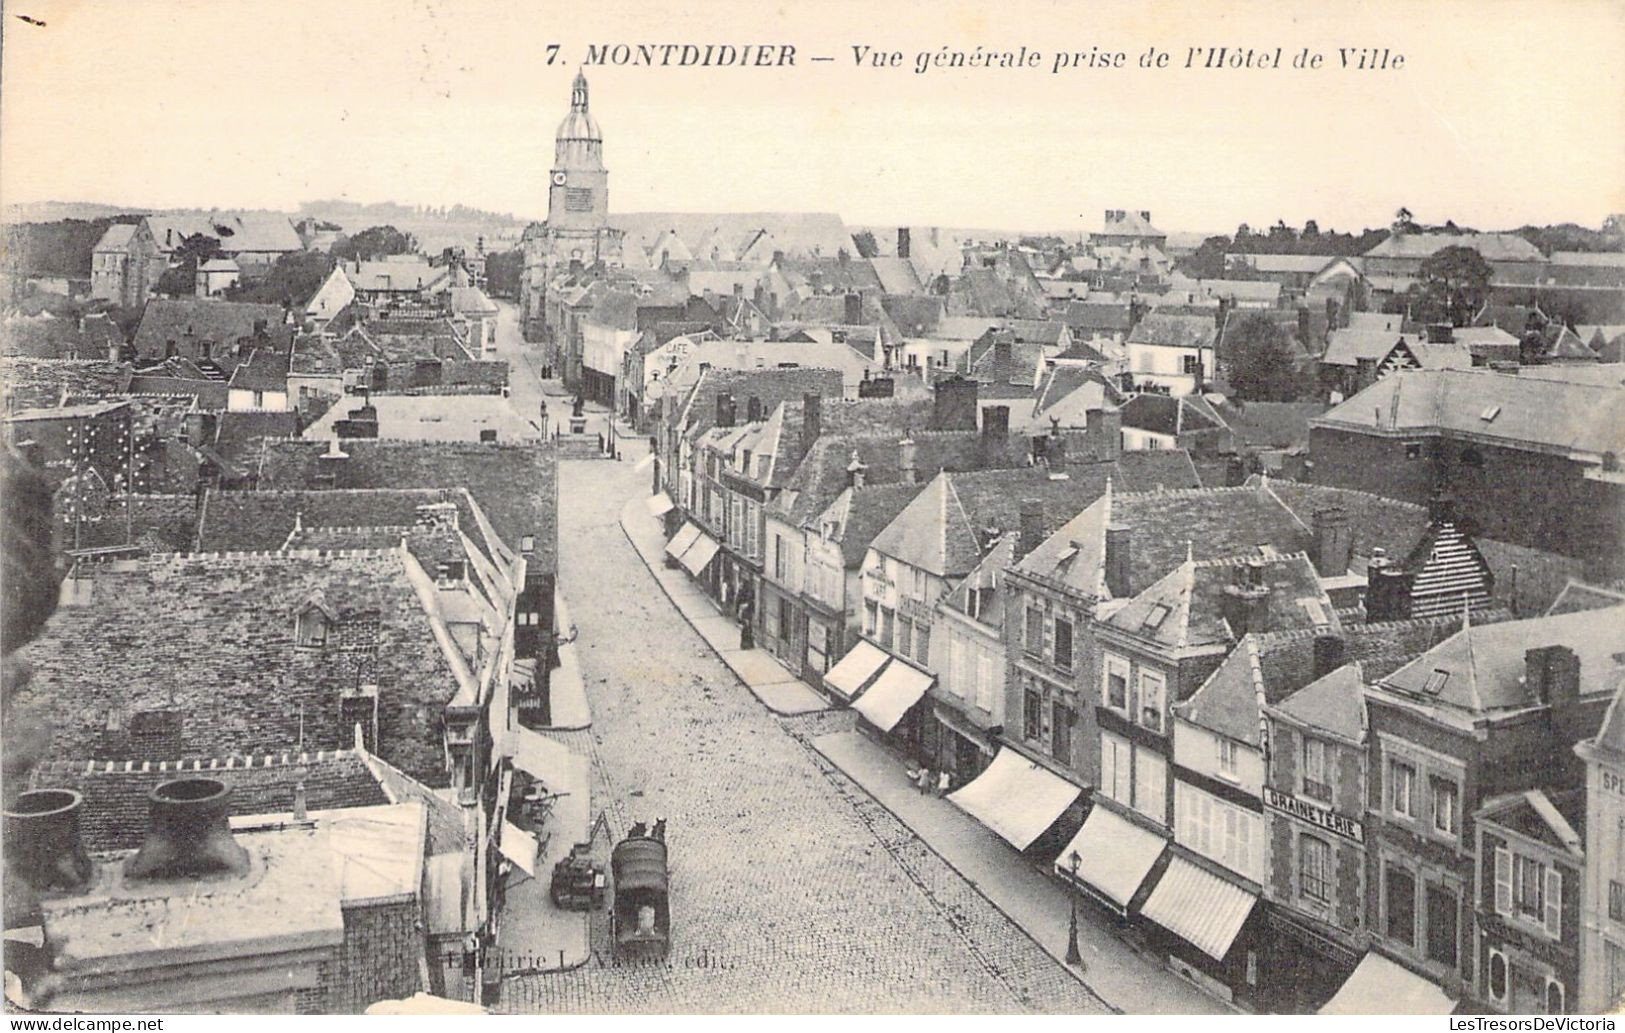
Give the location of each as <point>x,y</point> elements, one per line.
<point>659,505</point>
<point>888,699</point>
<point>696,556</point>
<point>1114,855</point>
<point>856,669</point>
<point>1207,911</point>
<point>1016,798</point>
<point>682,540</point>
<point>1381,987</point>
<point>520,847</point>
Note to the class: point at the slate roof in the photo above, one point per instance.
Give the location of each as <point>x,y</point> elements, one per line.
<point>916,315</point>
<point>1577,596</point>
<point>114,815</point>
<point>1165,414</point>
<point>56,337</point>
<point>896,275</point>
<point>1495,247</point>
<point>1610,738</point>
<point>1184,610</point>
<point>830,274</point>
<point>224,323</point>
<point>116,237</point>
<point>1162,468</point>
<point>794,233</point>
<point>1070,393</point>
<point>262,521</point>
<point>1486,665</point>
<point>1095,315</point>
<point>515,484</point>
<point>237,434</point>
<point>265,370</point>
<point>205,643</point>
<point>1174,330</point>
<point>772,386</point>
<point>1375,522</point>
<point>1346,347</point>
<point>1271,424</point>
<point>858,514</point>
<point>1523,411</point>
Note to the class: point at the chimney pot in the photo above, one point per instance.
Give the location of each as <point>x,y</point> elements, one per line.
<point>188,833</point>
<point>43,846</point>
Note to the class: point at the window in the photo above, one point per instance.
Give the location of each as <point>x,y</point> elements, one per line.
<point>957,679</point>
<point>905,637</point>
<point>1402,788</point>
<point>1033,715</point>
<point>1498,976</point>
<point>871,618</point>
<point>1151,784</point>
<point>886,616</point>
<point>1228,752</point>
<point>1316,785</point>
<point>1443,911</point>
<point>1315,869</point>
<point>1114,683</point>
<point>987,682</point>
<point>1035,631</point>
<point>1616,900</point>
<point>1115,768</point>
<point>781,558</point>
<point>1063,644</point>
<point>311,629</point>
<point>1191,365</point>
<point>784,620</point>
<point>1061,733</point>
<point>1399,898</point>
<point>1151,692</point>
<point>1446,805</point>
<point>1528,890</point>
<point>1413,450</point>
<point>1528,886</point>
<point>1554,997</point>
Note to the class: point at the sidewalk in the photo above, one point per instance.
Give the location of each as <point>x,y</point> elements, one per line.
<point>1123,978</point>
<point>778,689</point>
<point>570,711</point>
<point>535,935</point>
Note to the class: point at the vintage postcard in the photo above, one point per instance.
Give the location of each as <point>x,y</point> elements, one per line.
<point>1096,508</point>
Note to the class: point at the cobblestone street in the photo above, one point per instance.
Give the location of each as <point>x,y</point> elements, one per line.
<point>791,889</point>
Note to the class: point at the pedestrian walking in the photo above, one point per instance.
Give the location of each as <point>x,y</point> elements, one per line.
<point>943,782</point>
<point>925,779</point>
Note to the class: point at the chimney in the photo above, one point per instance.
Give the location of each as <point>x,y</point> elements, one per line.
<point>855,471</point>
<point>1334,541</point>
<point>1119,555</point>
<point>995,426</point>
<point>1387,590</point>
<point>188,833</point>
<point>1441,333</point>
<point>854,309</point>
<point>43,848</point>
<point>907,461</point>
<point>1055,445</point>
<point>331,465</point>
<point>1032,527</point>
<point>299,810</point>
<point>753,410</point>
<point>1552,677</point>
<point>1004,346</point>
<point>725,410</point>
<point>1103,429</point>
<point>1441,508</point>
<point>1329,653</point>
<point>903,242</point>
<point>1245,603</point>
<point>954,404</point>
<point>812,420</point>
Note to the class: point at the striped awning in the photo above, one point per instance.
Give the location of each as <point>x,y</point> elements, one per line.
<point>1202,908</point>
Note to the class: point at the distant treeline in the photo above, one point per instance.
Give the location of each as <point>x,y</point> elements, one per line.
<point>61,248</point>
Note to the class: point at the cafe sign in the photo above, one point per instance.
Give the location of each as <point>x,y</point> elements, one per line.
<point>1314,814</point>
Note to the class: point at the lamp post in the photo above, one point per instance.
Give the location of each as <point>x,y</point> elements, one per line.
<point>1074,956</point>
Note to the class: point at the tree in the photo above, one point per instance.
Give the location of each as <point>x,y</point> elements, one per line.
<point>1259,362</point>
<point>504,271</point>
<point>181,277</point>
<point>1311,231</point>
<point>291,280</point>
<point>1207,261</point>
<point>1451,286</point>
<point>867,246</point>
<point>374,242</point>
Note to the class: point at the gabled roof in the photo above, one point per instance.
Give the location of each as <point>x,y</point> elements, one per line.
<point>208,319</point>
<point>265,521</point>
<point>265,370</point>
<point>33,383</point>
<point>1070,393</point>
<point>1495,247</point>
<point>1165,414</point>
<point>1554,819</point>
<point>1374,522</point>
<point>1346,347</point>
<point>698,412</point>
<point>858,514</point>
<point>117,237</point>
<point>1577,596</point>
<point>1184,608</point>
<point>1095,315</point>
<point>896,275</point>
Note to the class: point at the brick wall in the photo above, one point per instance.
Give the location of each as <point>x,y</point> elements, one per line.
<point>380,958</point>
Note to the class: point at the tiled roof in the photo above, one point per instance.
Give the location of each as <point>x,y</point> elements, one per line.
<point>1096,315</point>
<point>896,275</point>
<point>822,473</point>
<point>1172,330</point>
<point>830,274</point>
<point>1209,523</point>
<point>165,523</point>
<point>210,395</point>
<point>55,337</point>
<point>238,434</point>
<point>261,521</point>
<point>1485,665</point>
<point>1375,522</point>
<point>194,655</point>
<point>515,484</point>
<point>225,323</point>
<point>1346,347</point>
<point>858,514</point>
<point>944,529</point>
<point>1577,596</point>
<point>117,237</point>
<point>916,315</point>
<point>794,233</point>
<point>1272,424</point>
<point>1165,414</point>
<point>1158,469</point>
<point>115,811</point>
<point>772,386</point>
<point>39,382</point>
<point>1070,393</point>
<point>265,370</point>
<point>1546,414</point>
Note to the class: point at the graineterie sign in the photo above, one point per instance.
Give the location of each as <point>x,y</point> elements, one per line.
<point>1329,820</point>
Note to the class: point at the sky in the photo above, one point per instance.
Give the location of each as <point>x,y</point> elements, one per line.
<point>1506,112</point>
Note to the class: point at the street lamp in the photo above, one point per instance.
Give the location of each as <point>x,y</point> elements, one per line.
<point>1074,956</point>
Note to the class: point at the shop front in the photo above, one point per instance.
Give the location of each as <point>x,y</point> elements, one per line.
<point>1207,925</point>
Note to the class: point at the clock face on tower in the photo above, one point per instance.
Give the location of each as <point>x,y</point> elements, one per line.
<point>559,179</point>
